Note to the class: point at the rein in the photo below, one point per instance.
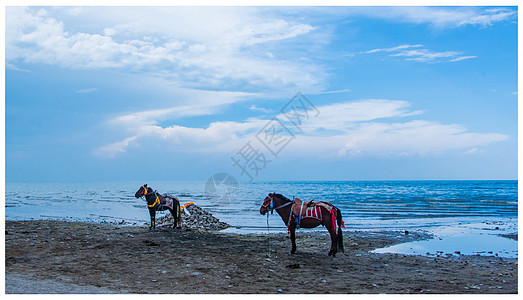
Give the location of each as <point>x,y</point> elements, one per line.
<point>288,203</point>
<point>272,209</point>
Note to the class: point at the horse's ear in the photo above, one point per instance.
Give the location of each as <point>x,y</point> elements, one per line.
<point>145,185</point>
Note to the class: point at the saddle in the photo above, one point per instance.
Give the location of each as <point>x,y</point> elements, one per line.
<point>166,200</point>
<point>299,208</point>
<point>163,198</point>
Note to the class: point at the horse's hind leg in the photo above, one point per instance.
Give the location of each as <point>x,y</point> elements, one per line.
<point>175,218</point>
<point>334,240</point>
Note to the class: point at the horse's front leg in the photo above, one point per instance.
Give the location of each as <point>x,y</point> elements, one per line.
<point>152,213</point>
<point>293,238</point>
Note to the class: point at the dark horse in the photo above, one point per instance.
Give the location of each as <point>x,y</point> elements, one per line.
<point>157,202</point>
<point>283,207</point>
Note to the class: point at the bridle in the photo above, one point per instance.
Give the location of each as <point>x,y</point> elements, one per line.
<point>156,201</point>
<point>270,205</point>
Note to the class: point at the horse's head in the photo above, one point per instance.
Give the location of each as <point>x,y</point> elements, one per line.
<point>267,204</point>
<point>142,191</point>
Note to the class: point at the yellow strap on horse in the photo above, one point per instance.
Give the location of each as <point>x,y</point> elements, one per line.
<point>157,201</point>
<point>144,190</point>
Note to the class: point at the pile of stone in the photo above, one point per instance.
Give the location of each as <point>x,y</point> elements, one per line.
<point>193,218</point>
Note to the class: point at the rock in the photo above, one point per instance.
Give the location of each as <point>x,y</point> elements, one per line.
<point>198,219</point>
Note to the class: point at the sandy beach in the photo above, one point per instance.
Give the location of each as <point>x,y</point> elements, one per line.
<point>73,257</point>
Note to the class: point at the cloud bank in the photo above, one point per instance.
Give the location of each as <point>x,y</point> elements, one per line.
<point>345,129</point>
<point>199,48</point>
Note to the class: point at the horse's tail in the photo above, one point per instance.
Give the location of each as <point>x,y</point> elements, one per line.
<point>341,224</point>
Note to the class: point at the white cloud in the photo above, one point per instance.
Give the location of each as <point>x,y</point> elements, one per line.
<point>459,58</point>
<point>417,137</point>
<point>260,109</point>
<point>190,103</point>
<point>344,115</point>
<point>393,49</point>
<point>473,151</point>
<point>439,17</point>
<point>421,54</point>
<point>87,90</point>
<point>346,129</point>
<point>13,67</point>
<point>200,48</point>
<point>113,149</point>
<point>489,17</point>
<point>337,91</point>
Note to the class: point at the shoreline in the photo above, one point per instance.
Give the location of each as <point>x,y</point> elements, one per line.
<point>130,259</point>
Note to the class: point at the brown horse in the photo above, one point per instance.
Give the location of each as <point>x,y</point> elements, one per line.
<point>329,218</point>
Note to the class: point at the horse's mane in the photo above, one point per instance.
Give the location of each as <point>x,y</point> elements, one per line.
<point>283,197</point>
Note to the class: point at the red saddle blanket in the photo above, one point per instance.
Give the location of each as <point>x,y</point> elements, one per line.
<point>312,212</point>
<point>310,209</point>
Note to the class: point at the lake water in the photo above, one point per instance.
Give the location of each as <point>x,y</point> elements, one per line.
<point>487,208</point>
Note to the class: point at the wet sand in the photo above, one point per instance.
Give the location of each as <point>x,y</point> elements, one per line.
<point>73,257</point>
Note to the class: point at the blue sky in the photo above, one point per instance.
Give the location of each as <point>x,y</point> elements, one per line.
<point>180,93</point>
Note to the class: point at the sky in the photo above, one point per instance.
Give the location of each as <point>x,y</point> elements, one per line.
<point>261,93</point>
